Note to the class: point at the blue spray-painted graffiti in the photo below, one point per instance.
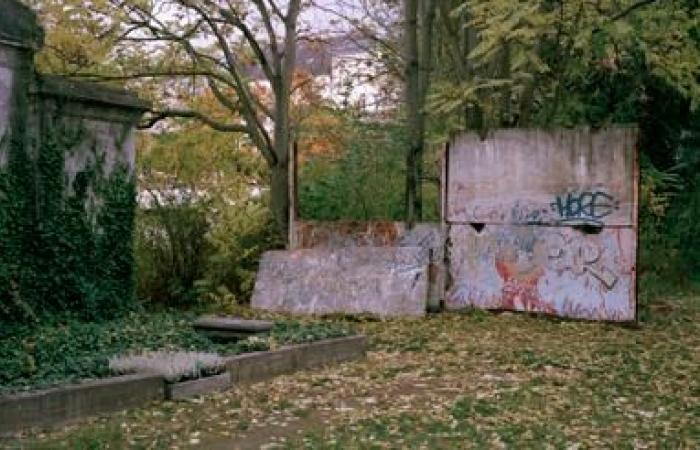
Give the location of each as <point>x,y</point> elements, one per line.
<point>586,207</point>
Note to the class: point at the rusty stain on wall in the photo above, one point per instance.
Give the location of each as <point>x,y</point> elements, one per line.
<point>544,221</point>
<point>309,234</point>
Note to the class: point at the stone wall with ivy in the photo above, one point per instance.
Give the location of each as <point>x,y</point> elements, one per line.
<point>67,193</point>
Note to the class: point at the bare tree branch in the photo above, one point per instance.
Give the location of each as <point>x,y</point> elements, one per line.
<point>157,116</point>
<point>259,53</point>
<point>271,35</point>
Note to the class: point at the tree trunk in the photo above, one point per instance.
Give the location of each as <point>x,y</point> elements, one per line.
<point>412,196</point>
<point>279,197</point>
<point>418,68</point>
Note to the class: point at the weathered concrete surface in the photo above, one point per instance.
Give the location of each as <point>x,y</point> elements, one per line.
<point>19,26</point>
<point>60,405</point>
<point>430,236</point>
<point>106,116</point>
<point>314,234</point>
<point>544,221</point>
<point>89,93</point>
<point>556,270</point>
<point>194,388</point>
<point>556,177</point>
<point>260,366</point>
<point>20,35</point>
<point>386,281</point>
<point>315,354</point>
<point>311,234</point>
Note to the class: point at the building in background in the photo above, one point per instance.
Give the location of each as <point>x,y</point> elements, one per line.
<point>346,71</point>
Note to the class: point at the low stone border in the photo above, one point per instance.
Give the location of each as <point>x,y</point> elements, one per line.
<point>260,366</point>
<point>60,405</point>
<point>65,404</point>
<point>200,386</point>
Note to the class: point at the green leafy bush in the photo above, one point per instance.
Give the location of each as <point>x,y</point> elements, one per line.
<point>202,253</point>
<point>171,253</point>
<point>364,181</point>
<point>200,242</point>
<point>239,234</point>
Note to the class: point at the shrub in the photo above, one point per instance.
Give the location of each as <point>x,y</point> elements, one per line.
<point>239,234</point>
<point>171,253</point>
<point>365,180</point>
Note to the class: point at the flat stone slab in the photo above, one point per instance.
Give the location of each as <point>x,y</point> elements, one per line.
<point>385,281</point>
<point>224,323</point>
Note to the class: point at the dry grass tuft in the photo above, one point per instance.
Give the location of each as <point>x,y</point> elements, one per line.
<point>173,366</point>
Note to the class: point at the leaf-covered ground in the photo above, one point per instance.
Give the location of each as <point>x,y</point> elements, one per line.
<point>473,380</point>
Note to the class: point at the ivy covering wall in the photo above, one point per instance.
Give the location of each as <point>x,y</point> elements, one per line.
<point>66,250</point>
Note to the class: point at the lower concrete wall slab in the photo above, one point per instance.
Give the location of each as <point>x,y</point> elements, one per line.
<point>386,281</point>
<point>62,405</point>
<point>554,270</point>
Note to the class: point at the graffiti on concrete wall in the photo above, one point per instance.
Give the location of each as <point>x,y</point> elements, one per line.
<point>386,281</point>
<point>546,269</point>
<point>575,207</point>
<point>543,221</point>
<point>588,207</point>
<point>541,177</point>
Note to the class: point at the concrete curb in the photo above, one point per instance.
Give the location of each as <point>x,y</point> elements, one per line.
<point>65,404</point>
<point>193,388</point>
<point>253,367</point>
<point>61,405</point>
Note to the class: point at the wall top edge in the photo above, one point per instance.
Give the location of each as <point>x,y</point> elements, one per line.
<point>81,91</point>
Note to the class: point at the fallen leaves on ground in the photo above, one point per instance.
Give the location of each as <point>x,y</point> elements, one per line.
<point>450,381</point>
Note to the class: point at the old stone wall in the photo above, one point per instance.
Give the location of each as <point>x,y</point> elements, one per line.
<point>7,56</point>
<point>104,120</point>
<point>67,185</point>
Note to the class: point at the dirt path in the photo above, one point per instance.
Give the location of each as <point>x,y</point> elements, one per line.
<point>319,413</point>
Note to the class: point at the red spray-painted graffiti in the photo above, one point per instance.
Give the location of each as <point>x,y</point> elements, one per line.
<point>520,280</point>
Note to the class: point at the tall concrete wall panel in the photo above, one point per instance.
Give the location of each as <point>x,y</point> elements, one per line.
<point>544,221</point>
